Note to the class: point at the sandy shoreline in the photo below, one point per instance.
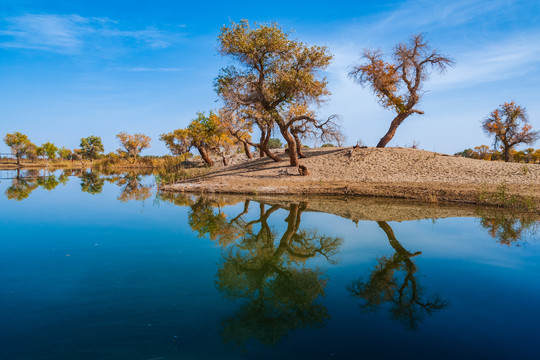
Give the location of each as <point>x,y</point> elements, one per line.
<point>390,172</point>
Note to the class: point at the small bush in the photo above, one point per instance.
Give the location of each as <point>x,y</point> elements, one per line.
<point>274,143</point>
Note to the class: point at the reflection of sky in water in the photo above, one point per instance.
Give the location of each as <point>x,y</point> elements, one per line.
<point>87,276</point>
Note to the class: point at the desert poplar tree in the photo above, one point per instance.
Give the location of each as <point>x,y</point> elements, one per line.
<point>398,83</point>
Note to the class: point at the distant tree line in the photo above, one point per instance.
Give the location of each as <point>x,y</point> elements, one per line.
<point>90,148</point>
<point>484,152</point>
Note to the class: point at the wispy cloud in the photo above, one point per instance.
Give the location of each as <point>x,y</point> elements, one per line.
<point>45,32</point>
<point>70,34</point>
<point>460,28</point>
<point>146,69</point>
<point>151,37</point>
<point>501,59</point>
<point>437,14</point>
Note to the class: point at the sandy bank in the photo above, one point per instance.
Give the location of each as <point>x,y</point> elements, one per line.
<point>389,172</point>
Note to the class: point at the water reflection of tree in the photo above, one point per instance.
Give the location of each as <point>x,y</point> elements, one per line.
<point>268,271</point>
<point>92,183</point>
<point>509,228</point>
<point>63,178</point>
<point>132,187</point>
<point>21,188</point>
<point>49,182</point>
<point>24,184</point>
<point>131,184</point>
<point>393,280</point>
<point>283,294</point>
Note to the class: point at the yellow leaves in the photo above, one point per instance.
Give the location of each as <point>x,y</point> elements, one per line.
<point>273,69</point>
<point>203,132</point>
<point>133,144</point>
<point>299,110</point>
<point>384,80</point>
<point>510,126</point>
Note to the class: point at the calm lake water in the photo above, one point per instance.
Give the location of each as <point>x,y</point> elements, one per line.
<point>102,267</point>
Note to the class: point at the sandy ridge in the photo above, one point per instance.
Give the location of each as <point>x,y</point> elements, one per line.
<point>388,172</point>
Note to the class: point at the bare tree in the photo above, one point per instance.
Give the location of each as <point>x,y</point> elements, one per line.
<point>312,129</point>
<point>398,84</point>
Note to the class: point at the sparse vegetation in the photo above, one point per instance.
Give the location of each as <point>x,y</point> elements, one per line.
<point>502,197</point>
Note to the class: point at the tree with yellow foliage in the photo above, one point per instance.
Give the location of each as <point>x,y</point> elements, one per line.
<point>239,128</point>
<point>509,125</point>
<point>19,145</point>
<point>132,145</point>
<point>204,133</point>
<point>398,84</point>
<point>482,152</point>
<point>274,74</point>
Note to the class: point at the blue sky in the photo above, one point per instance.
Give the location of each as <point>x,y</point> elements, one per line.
<point>70,69</point>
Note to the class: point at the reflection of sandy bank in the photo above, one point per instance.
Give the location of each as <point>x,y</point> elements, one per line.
<point>378,209</point>
<point>358,208</point>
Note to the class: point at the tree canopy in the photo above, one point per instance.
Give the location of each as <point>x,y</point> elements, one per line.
<point>91,147</point>
<point>204,133</point>
<point>49,150</point>
<point>19,144</point>
<point>398,83</point>
<point>132,145</point>
<point>509,125</point>
<point>273,74</point>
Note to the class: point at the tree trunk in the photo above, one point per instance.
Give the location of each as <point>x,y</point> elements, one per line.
<point>506,154</point>
<point>205,156</point>
<point>293,154</point>
<point>246,150</point>
<point>265,137</point>
<point>261,142</point>
<point>18,160</point>
<point>392,130</point>
<point>298,146</point>
<point>268,153</point>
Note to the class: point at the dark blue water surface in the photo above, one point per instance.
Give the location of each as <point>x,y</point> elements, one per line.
<point>95,267</point>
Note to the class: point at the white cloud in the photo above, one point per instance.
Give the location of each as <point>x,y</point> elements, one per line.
<point>45,32</point>
<point>71,34</point>
<point>497,60</point>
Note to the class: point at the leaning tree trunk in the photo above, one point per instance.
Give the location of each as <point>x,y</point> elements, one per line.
<point>246,150</point>
<point>392,130</point>
<point>267,152</point>
<point>265,137</point>
<point>298,145</point>
<point>293,154</point>
<point>205,156</point>
<point>224,159</point>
